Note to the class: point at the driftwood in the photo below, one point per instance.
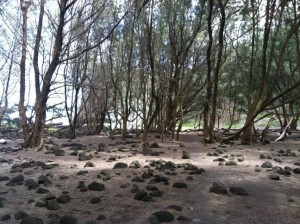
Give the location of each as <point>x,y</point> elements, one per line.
<point>266,130</point>
<point>284,131</point>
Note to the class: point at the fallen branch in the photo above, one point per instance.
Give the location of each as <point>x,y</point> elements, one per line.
<point>284,131</point>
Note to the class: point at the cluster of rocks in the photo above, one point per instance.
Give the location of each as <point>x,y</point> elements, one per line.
<point>220,188</point>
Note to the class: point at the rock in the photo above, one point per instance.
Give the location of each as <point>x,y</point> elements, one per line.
<point>42,190</point>
<point>230,163</point>
<point>96,186</point>
<point>297,163</point>
<point>17,180</point>
<point>31,184</point>
<point>284,172</point>
<point>41,203</point>
<point>184,218</point>
<point>82,172</point>
<point>101,217</point>
<point>63,199</point>
<point>147,151</point>
<point>44,180</point>
<point>274,177</point>
<point>156,193</point>
<point>5,217</point>
<point>267,165</point>
<point>21,215</point>
<point>31,220</point>
<point>185,155</point>
<point>154,145</point>
<point>239,191</point>
<point>103,175</point>
<point>81,186</point>
<point>296,170</point>
<point>147,198</point>
<point>175,207</point>
<point>218,188</point>
<point>3,141</point>
<point>164,216</point>
<point>95,200</point>
<point>89,164</point>
<point>83,157</point>
<point>134,188</point>
<point>135,164</point>
<point>180,185</point>
<point>4,178</point>
<point>150,187</point>
<point>153,220</point>
<point>2,202</point>
<point>68,219</point>
<point>52,205</point>
<point>120,165</point>
<point>139,195</point>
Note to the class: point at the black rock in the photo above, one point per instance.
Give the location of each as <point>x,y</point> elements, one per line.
<point>31,184</point>
<point>31,220</point>
<point>164,216</point>
<point>184,218</point>
<point>230,163</point>
<point>101,217</point>
<point>96,186</point>
<point>68,219</point>
<point>83,157</point>
<point>147,198</point>
<point>81,186</point>
<point>175,207</point>
<point>21,215</point>
<point>157,193</point>
<point>274,177</point>
<point>52,205</point>
<point>82,172</point>
<point>139,195</point>
<point>180,185</point>
<point>267,165</point>
<point>154,145</point>
<point>63,199</point>
<point>239,191</point>
<point>185,155</point>
<point>41,203</point>
<point>151,188</point>
<point>42,190</point>
<point>89,164</point>
<point>17,180</point>
<point>2,202</point>
<point>296,170</point>
<point>44,180</point>
<point>120,165</point>
<point>218,188</point>
<point>95,200</point>
<point>4,178</point>
<point>5,217</point>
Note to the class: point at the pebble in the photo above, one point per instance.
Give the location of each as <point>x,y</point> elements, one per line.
<point>96,186</point>
<point>267,165</point>
<point>180,185</point>
<point>120,165</point>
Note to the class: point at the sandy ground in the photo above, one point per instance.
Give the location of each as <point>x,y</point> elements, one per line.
<point>269,201</point>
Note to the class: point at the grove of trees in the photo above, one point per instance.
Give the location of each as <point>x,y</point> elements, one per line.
<point>150,65</point>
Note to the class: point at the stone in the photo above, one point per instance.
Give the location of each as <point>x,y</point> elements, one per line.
<point>135,164</point>
<point>83,157</point>
<point>156,193</point>
<point>52,205</point>
<point>63,199</point>
<point>95,200</point>
<point>175,207</point>
<point>267,165</point>
<point>147,198</point>
<point>185,155</point>
<point>41,203</point>
<point>89,164</point>
<point>296,170</point>
<point>139,195</point>
<point>68,219</point>
<point>101,217</point>
<point>96,186</point>
<point>81,186</point>
<point>230,163</point>
<point>153,220</point>
<point>5,217</point>
<point>154,145</point>
<point>21,215</point>
<point>120,165</point>
<point>164,216</point>
<point>17,180</point>
<point>31,220</point>
<point>274,177</point>
<point>31,184</point>
<point>4,178</point>
<point>42,190</point>
<point>238,191</point>
<point>218,188</point>
<point>180,185</point>
<point>150,187</point>
<point>184,218</point>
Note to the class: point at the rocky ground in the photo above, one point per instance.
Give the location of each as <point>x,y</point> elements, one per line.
<point>94,179</point>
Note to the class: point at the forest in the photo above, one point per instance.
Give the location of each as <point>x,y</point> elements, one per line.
<point>150,65</point>
<point>149,111</point>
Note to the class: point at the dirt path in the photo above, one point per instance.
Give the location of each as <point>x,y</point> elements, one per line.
<point>268,201</point>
